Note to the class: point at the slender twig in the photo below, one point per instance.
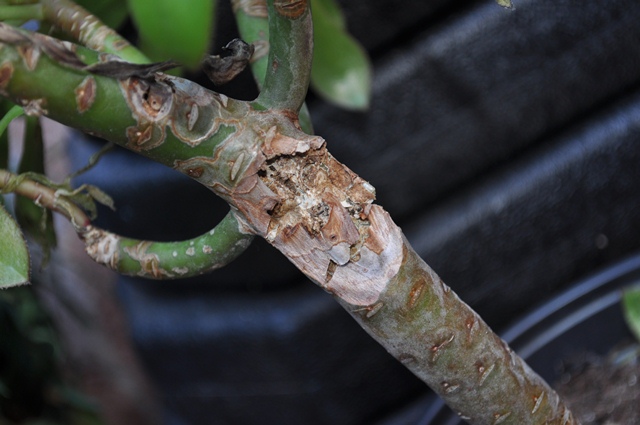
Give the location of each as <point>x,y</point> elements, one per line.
<point>155,260</point>
<point>21,12</point>
<point>44,196</point>
<point>89,30</point>
<point>168,260</point>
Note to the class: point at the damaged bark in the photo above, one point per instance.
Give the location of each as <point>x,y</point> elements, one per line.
<point>321,216</point>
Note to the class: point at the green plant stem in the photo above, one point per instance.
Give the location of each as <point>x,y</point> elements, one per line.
<point>253,24</point>
<point>22,12</point>
<point>44,196</point>
<point>155,260</point>
<point>89,30</point>
<point>12,114</point>
<point>168,260</point>
<point>290,52</point>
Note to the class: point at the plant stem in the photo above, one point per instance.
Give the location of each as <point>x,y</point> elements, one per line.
<point>168,260</point>
<point>253,24</point>
<point>290,51</point>
<point>21,13</point>
<point>44,196</point>
<point>12,114</point>
<point>89,30</point>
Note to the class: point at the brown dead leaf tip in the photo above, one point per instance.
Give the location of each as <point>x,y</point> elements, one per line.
<point>85,94</point>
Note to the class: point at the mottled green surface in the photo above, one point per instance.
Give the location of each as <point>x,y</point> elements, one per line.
<point>14,256</point>
<point>173,260</point>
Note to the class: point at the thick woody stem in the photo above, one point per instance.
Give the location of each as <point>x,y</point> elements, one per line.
<point>424,324</point>
<point>284,186</point>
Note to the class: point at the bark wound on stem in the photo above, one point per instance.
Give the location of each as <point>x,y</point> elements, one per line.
<point>319,214</point>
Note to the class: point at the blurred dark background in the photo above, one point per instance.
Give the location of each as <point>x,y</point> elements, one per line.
<point>506,144</point>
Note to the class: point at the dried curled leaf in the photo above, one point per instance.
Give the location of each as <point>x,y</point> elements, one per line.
<point>222,69</point>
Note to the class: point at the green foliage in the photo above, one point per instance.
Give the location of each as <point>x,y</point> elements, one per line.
<point>14,255</point>
<point>631,308</point>
<point>178,30</point>
<point>341,71</point>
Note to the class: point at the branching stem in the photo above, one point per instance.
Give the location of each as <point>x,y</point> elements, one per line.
<point>44,196</point>
<point>290,53</point>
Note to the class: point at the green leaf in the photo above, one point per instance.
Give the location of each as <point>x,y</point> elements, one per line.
<point>178,30</point>
<point>14,255</point>
<point>330,12</point>
<point>631,308</point>
<point>112,12</point>
<point>341,70</point>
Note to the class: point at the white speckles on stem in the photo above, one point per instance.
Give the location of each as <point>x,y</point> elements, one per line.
<point>191,251</point>
<point>206,249</point>
<point>174,254</point>
<point>180,270</point>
